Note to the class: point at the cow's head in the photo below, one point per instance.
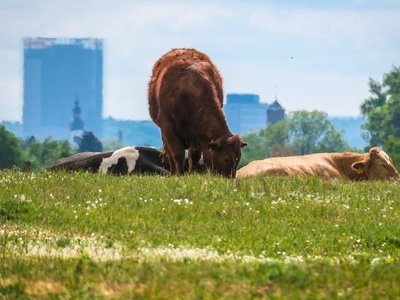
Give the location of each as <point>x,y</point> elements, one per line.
<point>376,165</point>
<point>225,155</point>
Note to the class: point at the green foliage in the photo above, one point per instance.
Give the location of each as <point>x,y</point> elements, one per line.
<point>112,144</point>
<point>312,132</point>
<point>90,142</point>
<point>382,112</point>
<point>87,236</point>
<point>14,126</point>
<point>10,153</point>
<point>351,126</point>
<point>301,133</point>
<point>256,148</point>
<point>46,153</point>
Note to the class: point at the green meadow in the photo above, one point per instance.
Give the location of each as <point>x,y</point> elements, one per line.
<point>85,236</point>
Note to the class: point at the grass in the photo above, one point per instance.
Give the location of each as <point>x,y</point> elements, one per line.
<point>81,235</point>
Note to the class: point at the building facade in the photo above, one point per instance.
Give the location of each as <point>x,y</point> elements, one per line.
<point>246,113</point>
<point>275,113</point>
<point>56,72</point>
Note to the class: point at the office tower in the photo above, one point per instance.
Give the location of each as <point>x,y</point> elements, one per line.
<point>56,72</point>
<point>275,113</point>
<point>245,113</point>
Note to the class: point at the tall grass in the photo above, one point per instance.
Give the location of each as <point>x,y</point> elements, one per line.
<point>87,235</point>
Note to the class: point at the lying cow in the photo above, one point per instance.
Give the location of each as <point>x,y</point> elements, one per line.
<point>128,160</point>
<point>375,164</point>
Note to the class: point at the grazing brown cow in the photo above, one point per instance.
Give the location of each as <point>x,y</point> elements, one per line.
<point>185,101</point>
<point>375,164</point>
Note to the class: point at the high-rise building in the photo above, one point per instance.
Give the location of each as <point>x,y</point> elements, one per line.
<point>56,71</point>
<point>245,113</point>
<point>275,113</point>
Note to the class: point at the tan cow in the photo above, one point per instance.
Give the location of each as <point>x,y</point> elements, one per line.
<point>375,164</point>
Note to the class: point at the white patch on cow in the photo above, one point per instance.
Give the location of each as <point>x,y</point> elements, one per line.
<point>130,153</point>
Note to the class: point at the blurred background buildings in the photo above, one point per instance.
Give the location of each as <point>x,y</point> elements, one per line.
<point>63,97</point>
<point>245,113</point>
<point>56,72</point>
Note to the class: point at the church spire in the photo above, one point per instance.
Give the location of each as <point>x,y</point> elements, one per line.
<point>76,126</point>
<point>77,123</point>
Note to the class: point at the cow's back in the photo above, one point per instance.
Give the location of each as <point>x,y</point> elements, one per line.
<point>321,165</point>
<point>84,161</point>
<point>178,73</point>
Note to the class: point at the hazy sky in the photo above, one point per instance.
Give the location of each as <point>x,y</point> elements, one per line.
<point>336,47</point>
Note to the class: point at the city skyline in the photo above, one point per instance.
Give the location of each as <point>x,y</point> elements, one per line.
<point>57,73</point>
<point>311,54</point>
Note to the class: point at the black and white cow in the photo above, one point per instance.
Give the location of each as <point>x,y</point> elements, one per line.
<point>127,160</point>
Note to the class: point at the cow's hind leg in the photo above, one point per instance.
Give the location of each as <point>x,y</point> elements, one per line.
<point>175,150</point>
<point>166,157</point>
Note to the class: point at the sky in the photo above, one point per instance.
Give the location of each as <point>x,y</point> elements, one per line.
<point>310,55</point>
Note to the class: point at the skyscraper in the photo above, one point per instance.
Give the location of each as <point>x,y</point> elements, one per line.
<point>245,113</point>
<point>275,112</point>
<point>56,72</point>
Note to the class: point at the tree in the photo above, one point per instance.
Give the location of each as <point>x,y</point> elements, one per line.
<point>10,152</point>
<point>256,148</point>
<point>382,112</point>
<point>33,150</point>
<point>301,133</point>
<point>312,132</point>
<point>53,150</point>
<point>46,153</point>
<point>90,143</point>
<point>112,144</point>
<point>277,139</point>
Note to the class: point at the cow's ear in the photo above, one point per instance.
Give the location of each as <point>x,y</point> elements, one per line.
<point>237,140</point>
<point>359,167</point>
<point>374,152</point>
<point>214,145</point>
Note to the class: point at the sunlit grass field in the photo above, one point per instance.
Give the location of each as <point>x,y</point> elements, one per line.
<point>65,235</point>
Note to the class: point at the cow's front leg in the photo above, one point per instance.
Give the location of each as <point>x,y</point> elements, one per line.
<point>194,157</point>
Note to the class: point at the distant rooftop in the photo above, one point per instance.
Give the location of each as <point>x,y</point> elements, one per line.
<point>41,42</point>
<point>275,106</point>
<point>242,98</point>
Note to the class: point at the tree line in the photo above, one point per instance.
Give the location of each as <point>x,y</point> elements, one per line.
<point>305,132</point>
<point>33,154</point>
<point>302,132</point>
<point>382,112</point>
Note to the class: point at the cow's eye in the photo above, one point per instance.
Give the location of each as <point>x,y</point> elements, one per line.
<point>383,166</point>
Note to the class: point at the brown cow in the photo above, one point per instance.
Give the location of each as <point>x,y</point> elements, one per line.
<point>185,101</point>
<point>375,164</point>
<point>160,67</point>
